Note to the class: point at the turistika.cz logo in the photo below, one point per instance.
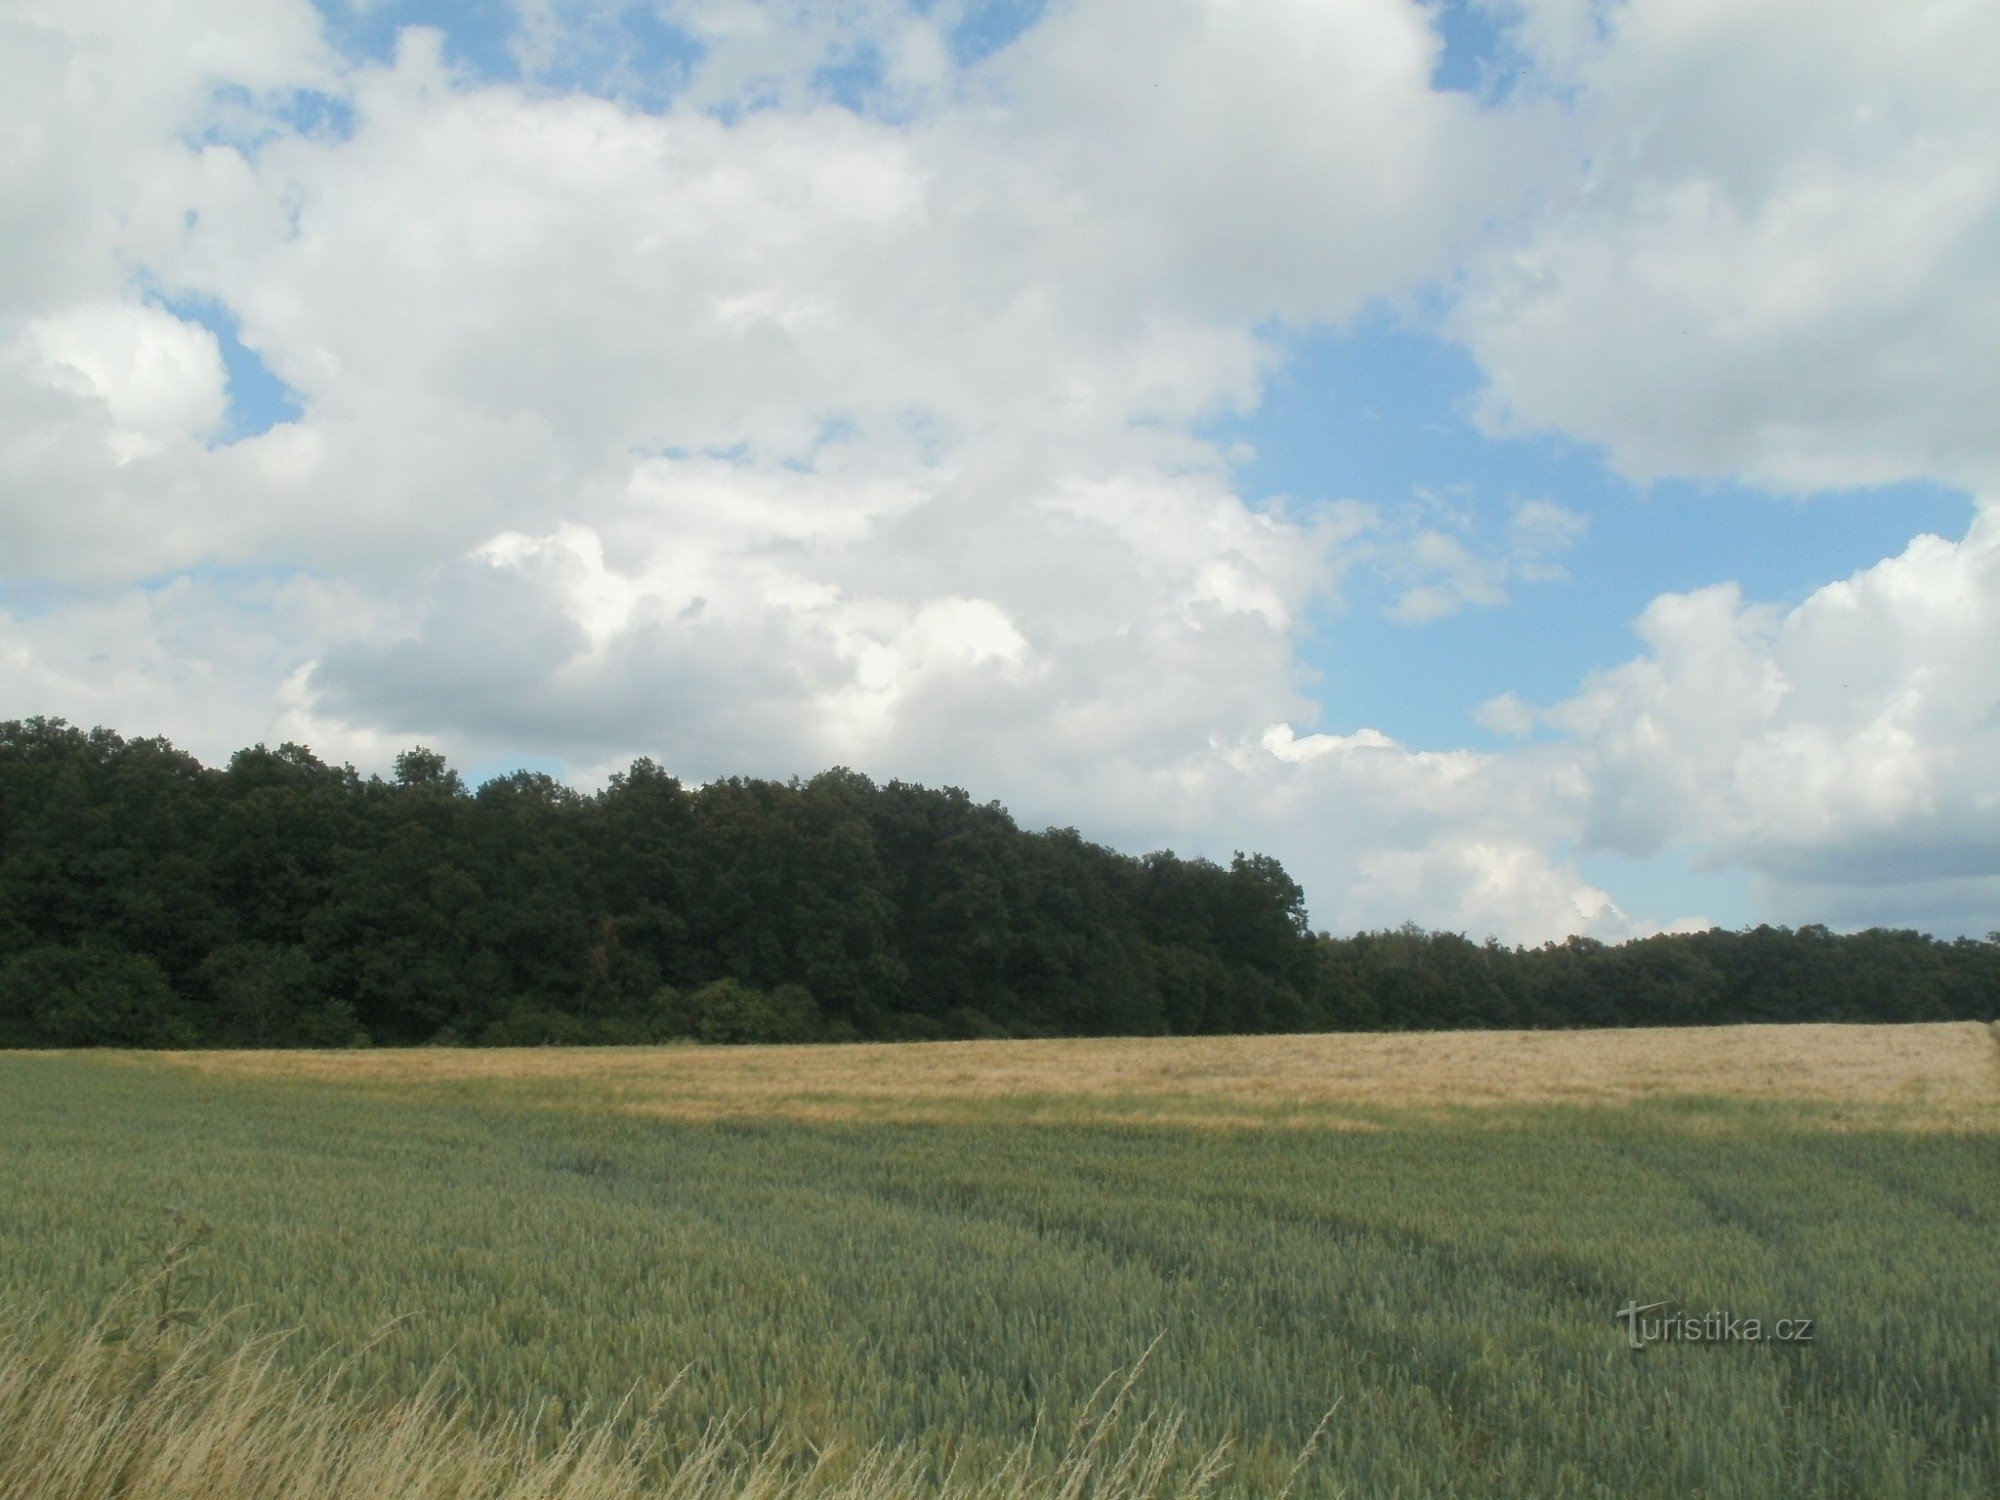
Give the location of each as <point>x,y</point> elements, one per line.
<point>1660,1323</point>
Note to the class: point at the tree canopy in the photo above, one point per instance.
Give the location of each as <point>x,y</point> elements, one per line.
<point>148,900</point>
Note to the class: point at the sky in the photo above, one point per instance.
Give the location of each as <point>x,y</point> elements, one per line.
<point>1530,465</point>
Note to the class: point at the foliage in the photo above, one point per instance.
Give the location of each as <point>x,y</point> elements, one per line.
<point>146,900</point>
<point>1409,979</point>
<point>88,995</point>
<point>724,1010</point>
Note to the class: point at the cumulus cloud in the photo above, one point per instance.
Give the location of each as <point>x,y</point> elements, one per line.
<point>101,99</point>
<point>1844,745</point>
<point>1469,839</point>
<point>158,379</point>
<point>1511,890</point>
<point>1274,159</point>
<point>1775,262</point>
<point>212,664</point>
<point>968,620</point>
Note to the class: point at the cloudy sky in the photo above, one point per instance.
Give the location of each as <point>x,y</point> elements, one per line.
<point>1532,465</point>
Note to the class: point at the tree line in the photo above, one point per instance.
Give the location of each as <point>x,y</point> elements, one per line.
<point>149,900</point>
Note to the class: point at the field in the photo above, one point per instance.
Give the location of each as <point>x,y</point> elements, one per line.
<point>939,1253</point>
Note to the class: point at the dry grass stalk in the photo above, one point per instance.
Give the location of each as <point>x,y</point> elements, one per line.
<point>99,1420</point>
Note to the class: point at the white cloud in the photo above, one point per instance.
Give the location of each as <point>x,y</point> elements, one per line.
<point>1505,713</point>
<point>1286,158</point>
<point>1848,742</point>
<point>211,664</point>
<point>1447,577</point>
<point>1777,262</point>
<point>773,53</point>
<point>1468,840</point>
<point>1537,533</point>
<point>92,164</point>
<point>157,378</point>
<point>957,620</point>
<point>1509,890</point>
<point>1439,562</point>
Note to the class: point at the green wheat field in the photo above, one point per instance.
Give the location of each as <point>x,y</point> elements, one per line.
<point>1235,1267</point>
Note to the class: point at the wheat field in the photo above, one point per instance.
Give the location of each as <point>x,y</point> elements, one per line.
<point>1937,1076</point>
<point>1351,1266</point>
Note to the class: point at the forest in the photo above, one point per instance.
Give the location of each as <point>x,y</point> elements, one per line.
<point>147,900</point>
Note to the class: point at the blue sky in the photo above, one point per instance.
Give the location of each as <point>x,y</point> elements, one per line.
<point>1529,466</point>
<point>1385,412</point>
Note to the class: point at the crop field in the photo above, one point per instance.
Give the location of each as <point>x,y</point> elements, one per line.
<point>1355,1265</point>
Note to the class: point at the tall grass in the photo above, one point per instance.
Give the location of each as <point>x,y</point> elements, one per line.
<point>96,1418</point>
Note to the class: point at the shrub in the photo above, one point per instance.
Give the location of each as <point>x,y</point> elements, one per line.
<point>527,1024</point>
<point>728,1011</point>
<point>89,996</point>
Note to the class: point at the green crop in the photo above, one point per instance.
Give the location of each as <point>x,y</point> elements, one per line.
<point>940,1294</point>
